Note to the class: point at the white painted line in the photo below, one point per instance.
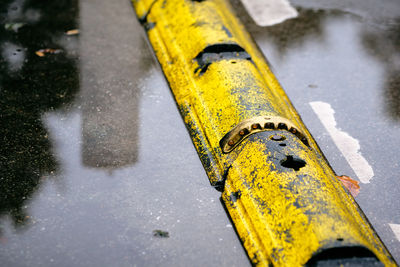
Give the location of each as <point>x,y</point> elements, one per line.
<point>269,12</point>
<point>349,146</point>
<point>395,229</point>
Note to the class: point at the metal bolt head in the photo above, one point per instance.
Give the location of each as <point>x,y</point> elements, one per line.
<point>241,133</point>
<point>231,143</point>
<point>277,137</point>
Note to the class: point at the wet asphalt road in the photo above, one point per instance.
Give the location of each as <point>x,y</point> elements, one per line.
<point>94,154</point>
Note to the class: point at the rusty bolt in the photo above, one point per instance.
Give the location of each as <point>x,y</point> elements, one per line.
<point>254,126</point>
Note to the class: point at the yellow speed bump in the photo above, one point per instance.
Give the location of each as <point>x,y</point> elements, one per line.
<point>287,205</point>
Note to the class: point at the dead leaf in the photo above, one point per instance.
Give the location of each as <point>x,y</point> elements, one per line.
<point>72,32</point>
<point>43,52</point>
<point>351,185</point>
<point>40,54</point>
<point>3,239</point>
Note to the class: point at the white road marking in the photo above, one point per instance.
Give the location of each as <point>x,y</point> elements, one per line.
<point>349,146</point>
<point>395,229</point>
<point>269,12</point>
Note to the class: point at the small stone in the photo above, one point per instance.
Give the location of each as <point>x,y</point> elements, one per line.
<point>160,233</point>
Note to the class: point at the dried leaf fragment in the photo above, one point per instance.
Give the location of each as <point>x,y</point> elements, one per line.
<point>43,52</point>
<point>351,185</point>
<point>72,32</point>
<point>14,26</point>
<point>40,54</point>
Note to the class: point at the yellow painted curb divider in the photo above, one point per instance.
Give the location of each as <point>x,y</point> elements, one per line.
<point>287,205</point>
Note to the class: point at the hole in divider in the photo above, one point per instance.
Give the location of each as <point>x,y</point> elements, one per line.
<point>293,163</point>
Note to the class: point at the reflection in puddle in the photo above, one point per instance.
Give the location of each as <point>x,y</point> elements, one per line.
<point>85,216</point>
<point>14,10</point>
<point>110,122</point>
<point>14,56</point>
<point>30,85</point>
<point>375,32</point>
<point>110,89</point>
<point>385,46</point>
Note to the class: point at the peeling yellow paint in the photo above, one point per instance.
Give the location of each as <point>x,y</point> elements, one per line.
<point>283,215</point>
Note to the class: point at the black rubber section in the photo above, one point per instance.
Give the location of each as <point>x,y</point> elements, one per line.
<point>219,52</point>
<point>346,257</point>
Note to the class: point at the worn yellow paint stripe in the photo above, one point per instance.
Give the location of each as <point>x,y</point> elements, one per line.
<point>280,192</point>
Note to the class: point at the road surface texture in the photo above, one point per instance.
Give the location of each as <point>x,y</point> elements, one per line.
<point>97,168</point>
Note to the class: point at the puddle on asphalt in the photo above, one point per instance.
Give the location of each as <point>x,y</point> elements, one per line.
<point>31,85</point>
<point>93,144</point>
